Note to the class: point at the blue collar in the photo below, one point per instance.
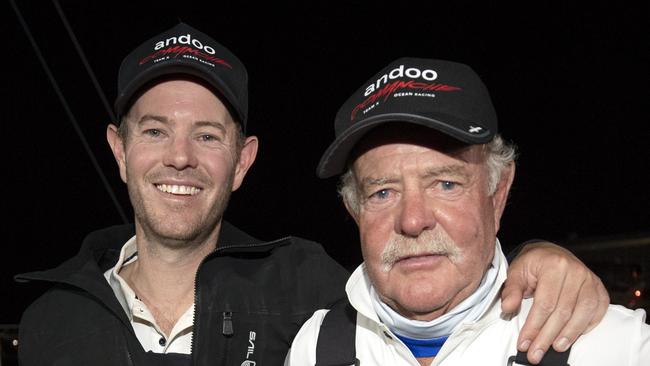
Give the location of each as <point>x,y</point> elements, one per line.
<point>423,347</point>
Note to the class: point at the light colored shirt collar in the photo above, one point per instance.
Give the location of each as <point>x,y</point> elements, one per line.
<point>125,295</point>
<point>142,320</point>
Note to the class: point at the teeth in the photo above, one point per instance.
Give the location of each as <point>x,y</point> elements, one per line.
<point>180,190</point>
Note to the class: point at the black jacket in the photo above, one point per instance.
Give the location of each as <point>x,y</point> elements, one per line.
<point>251,299</point>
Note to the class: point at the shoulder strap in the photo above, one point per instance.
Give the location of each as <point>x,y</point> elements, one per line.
<point>551,358</point>
<point>336,339</point>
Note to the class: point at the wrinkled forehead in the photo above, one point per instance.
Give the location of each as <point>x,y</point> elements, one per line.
<point>409,134</point>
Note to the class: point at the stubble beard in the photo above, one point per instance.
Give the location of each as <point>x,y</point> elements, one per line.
<point>156,224</point>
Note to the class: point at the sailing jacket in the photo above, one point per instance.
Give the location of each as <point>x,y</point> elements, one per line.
<point>251,297</point>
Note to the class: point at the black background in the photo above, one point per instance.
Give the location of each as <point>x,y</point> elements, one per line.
<point>569,82</point>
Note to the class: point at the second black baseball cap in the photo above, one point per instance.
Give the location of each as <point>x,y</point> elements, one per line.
<point>184,50</point>
<point>443,95</point>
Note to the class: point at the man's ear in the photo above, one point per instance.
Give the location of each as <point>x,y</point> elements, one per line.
<point>117,146</point>
<point>247,156</point>
<point>500,196</point>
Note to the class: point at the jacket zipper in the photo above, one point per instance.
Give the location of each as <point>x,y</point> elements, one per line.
<point>227,324</point>
<point>227,329</point>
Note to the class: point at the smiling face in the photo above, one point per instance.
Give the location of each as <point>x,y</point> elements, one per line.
<point>426,220</point>
<point>180,161</point>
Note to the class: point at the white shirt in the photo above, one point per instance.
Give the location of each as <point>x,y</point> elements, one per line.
<point>622,337</point>
<point>148,332</point>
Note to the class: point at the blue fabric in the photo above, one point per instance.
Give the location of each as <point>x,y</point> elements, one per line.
<point>423,347</point>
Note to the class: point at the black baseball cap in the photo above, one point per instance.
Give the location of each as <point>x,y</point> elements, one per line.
<point>443,95</point>
<point>184,50</point>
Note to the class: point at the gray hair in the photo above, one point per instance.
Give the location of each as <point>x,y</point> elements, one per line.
<point>500,155</point>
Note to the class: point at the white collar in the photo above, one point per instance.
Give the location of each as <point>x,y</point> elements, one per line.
<point>123,292</point>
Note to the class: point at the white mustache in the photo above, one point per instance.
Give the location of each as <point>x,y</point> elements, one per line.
<point>428,243</point>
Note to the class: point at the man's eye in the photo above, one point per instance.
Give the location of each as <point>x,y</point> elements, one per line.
<point>448,186</point>
<point>209,138</point>
<point>152,132</point>
<point>381,194</point>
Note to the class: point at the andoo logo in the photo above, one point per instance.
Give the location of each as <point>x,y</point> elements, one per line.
<point>398,72</point>
<point>385,87</point>
<point>186,46</point>
<point>184,39</point>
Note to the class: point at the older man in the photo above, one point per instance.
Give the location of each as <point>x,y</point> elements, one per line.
<point>427,182</point>
<point>183,286</point>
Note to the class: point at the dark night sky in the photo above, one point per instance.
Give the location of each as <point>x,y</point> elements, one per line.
<point>570,85</point>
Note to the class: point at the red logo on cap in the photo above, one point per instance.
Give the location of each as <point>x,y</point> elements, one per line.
<point>392,87</point>
<point>177,51</point>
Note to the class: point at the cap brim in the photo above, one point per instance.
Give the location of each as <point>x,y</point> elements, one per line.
<point>171,67</point>
<point>335,157</point>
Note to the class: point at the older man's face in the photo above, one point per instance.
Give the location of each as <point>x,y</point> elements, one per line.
<point>426,219</point>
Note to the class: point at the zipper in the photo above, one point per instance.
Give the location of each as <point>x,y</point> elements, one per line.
<point>227,329</point>
<point>227,324</point>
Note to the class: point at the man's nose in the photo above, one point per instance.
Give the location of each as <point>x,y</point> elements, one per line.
<point>415,215</point>
<point>180,154</point>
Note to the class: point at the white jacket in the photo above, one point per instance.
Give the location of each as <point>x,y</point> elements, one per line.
<point>622,338</point>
